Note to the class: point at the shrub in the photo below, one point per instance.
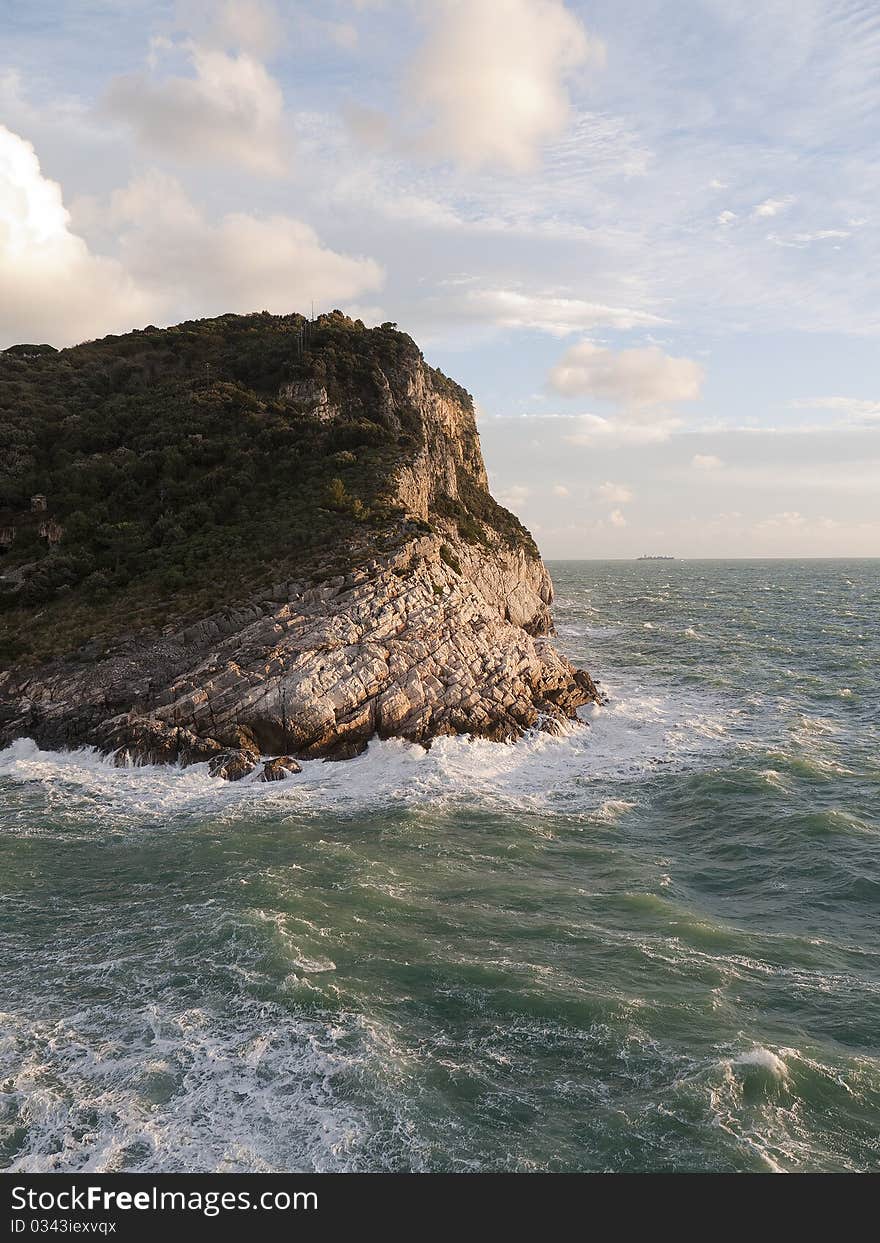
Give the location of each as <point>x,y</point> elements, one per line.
<point>448,557</point>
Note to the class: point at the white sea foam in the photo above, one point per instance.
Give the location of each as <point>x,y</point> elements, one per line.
<point>145,1090</point>
<point>638,731</point>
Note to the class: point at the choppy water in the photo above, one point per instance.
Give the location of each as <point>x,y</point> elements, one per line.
<point>652,945</point>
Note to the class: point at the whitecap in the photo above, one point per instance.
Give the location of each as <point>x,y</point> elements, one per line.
<point>610,810</point>
<point>763,1058</point>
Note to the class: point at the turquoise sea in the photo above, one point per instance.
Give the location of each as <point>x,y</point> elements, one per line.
<point>653,944</point>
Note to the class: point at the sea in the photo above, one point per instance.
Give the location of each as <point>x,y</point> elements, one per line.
<point>652,944</point>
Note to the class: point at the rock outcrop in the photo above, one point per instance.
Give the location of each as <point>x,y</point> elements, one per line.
<point>443,629</point>
<point>438,638</point>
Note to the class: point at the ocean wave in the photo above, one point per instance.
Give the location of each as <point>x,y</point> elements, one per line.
<point>647,944</point>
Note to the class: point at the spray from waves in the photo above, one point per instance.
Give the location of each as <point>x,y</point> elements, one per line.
<point>764,1059</point>
<point>639,731</point>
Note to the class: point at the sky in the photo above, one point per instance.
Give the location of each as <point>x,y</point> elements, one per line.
<point>644,235</point>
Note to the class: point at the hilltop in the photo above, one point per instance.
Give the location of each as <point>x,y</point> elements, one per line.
<point>245,501</point>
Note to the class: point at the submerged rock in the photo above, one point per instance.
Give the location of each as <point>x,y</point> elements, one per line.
<point>280,769</point>
<point>232,765</point>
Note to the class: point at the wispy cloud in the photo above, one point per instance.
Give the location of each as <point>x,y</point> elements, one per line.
<point>592,431</point>
<point>537,312</point>
<point>855,409</point>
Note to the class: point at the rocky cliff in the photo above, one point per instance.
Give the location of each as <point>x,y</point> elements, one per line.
<point>378,589</point>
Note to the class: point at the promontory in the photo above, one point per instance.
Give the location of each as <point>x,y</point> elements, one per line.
<point>259,539</point>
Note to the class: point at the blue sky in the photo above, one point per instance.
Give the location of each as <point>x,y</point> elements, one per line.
<point>643,234</point>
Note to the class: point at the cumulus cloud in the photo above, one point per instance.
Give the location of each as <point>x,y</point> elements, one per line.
<point>726,217</point>
<point>230,110</point>
<point>771,207</point>
<point>491,80</point>
<point>706,461</point>
<point>242,262</point>
<point>53,287</point>
<point>170,260</point>
<point>637,378</point>
<point>616,518</point>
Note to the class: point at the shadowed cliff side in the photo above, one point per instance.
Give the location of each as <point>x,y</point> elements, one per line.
<point>260,536</point>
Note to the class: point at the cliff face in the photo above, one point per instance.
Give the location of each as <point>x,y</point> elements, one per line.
<point>421,609</point>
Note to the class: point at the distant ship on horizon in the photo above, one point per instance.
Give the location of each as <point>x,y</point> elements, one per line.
<point>661,557</point>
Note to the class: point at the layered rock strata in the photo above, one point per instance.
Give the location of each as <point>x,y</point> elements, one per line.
<point>438,638</point>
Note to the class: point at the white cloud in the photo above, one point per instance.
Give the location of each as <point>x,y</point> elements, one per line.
<point>561,490</point>
<point>614,493</point>
<point>800,240</point>
<point>54,288</point>
<point>639,377</point>
<point>726,217</point>
<point>241,263</point>
<point>771,207</point>
<point>230,111</point>
<point>706,461</point>
<point>170,261</point>
<point>561,317</point>
<point>616,518</point>
<point>490,79</point>
<point>592,431</point>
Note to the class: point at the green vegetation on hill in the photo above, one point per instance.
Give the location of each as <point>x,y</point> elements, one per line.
<point>183,472</point>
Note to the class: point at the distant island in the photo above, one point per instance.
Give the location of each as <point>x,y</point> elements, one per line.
<point>260,536</point>
<point>645,557</point>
